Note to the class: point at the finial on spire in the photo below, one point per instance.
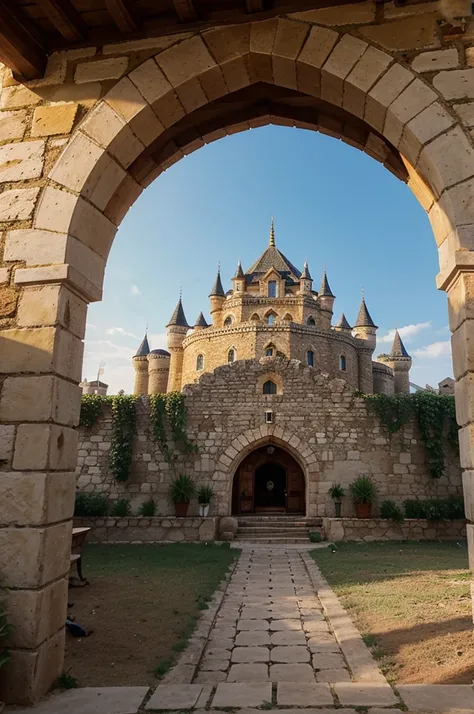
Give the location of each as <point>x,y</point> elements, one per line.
<point>272,233</point>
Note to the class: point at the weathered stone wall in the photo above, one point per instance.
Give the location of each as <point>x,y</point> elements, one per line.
<point>331,434</point>
<point>148,530</point>
<point>370,529</point>
<point>383,379</point>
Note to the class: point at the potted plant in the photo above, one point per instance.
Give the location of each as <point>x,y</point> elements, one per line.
<point>204,496</point>
<point>363,492</point>
<point>337,492</point>
<point>180,493</point>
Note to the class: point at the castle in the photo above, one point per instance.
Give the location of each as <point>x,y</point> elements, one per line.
<point>272,311</point>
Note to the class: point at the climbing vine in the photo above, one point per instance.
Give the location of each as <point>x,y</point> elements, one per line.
<point>124,420</point>
<point>158,420</point>
<point>170,408</point>
<point>436,417</point>
<point>91,409</point>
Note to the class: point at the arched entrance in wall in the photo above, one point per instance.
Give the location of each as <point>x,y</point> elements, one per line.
<point>268,480</point>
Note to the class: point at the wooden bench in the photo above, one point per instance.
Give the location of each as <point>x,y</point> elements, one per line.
<point>78,538</point>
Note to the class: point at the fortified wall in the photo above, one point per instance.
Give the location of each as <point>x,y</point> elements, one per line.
<point>331,434</point>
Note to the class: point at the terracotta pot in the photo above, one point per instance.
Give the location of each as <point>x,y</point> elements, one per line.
<point>181,509</point>
<point>337,506</point>
<point>363,510</point>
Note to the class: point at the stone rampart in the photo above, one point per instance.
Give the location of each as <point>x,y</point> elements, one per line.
<point>371,529</point>
<point>133,529</point>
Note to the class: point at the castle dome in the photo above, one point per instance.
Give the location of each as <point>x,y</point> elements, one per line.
<point>164,353</point>
<point>272,258</point>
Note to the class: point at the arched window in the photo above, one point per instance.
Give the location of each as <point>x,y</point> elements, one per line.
<point>288,317</point>
<point>269,351</point>
<point>310,358</point>
<point>271,320</point>
<point>199,363</point>
<point>255,316</point>
<point>311,321</point>
<point>342,363</point>
<point>231,355</point>
<point>272,288</point>
<point>228,321</point>
<point>269,387</point>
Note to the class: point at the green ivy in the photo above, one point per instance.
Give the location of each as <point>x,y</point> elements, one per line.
<point>158,420</point>
<point>436,417</point>
<point>124,420</point>
<point>91,409</point>
<point>170,409</point>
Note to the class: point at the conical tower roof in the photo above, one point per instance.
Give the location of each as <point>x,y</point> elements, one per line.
<point>273,258</point>
<point>144,348</point>
<point>201,321</point>
<point>217,288</point>
<point>306,275</point>
<point>363,318</point>
<point>239,273</point>
<point>325,290</point>
<point>178,317</point>
<point>342,323</point>
<point>398,348</point>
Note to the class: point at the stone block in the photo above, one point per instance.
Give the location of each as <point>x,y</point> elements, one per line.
<point>27,350</point>
<point>184,61</point>
<point>425,126</point>
<point>447,160</point>
<point>100,70</point>
<point>94,700</point>
<point>387,89</point>
<point>91,227</point>
<point>290,654</point>
<point>437,697</point>
<point>29,498</point>
<point>362,77</point>
<point>17,97</point>
<point>358,14</point>
<point>455,84</point>
<point>18,204</point>
<point>174,696</point>
<point>291,673</point>
<point>365,695</point>
<point>40,399</point>
<point>416,97</point>
<point>76,163</point>
<point>13,125</point>
<point>303,694</point>
<point>125,99</point>
<point>465,113</point>
<point>436,60</point>
<point>54,120</point>
<point>313,55</point>
<point>405,34</point>
<point>45,446</point>
<point>21,161</point>
<point>338,65</point>
<point>250,694</point>
<point>228,43</point>
<point>7,437</point>
<point>250,655</point>
<point>36,615</point>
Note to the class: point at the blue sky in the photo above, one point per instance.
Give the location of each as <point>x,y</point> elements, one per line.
<point>333,205</point>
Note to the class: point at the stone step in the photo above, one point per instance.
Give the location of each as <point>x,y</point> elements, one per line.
<point>256,520</point>
<point>276,539</point>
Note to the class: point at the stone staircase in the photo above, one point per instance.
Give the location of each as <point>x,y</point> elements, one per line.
<point>277,528</point>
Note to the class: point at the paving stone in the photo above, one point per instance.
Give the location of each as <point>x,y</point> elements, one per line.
<point>303,694</point>
<point>282,625</point>
<point>365,695</point>
<point>255,613</point>
<point>227,632</point>
<point>225,643</point>
<point>93,700</point>
<point>252,625</point>
<point>333,675</point>
<point>438,697</point>
<point>290,654</point>
<point>253,639</point>
<point>204,696</point>
<point>173,696</point>
<point>214,677</point>
<point>312,626</point>
<point>319,638</point>
<point>284,614</point>
<point>218,652</point>
<point>328,661</point>
<point>291,673</point>
<point>289,637</point>
<point>313,616</point>
<point>250,654</point>
<point>249,694</point>
<point>247,673</point>
<point>215,664</point>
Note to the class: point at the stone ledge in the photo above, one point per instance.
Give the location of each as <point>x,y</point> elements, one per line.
<point>371,529</point>
<point>138,529</point>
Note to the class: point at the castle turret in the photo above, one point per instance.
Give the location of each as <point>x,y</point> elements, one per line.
<point>238,281</point>
<point>177,328</point>
<point>365,328</point>
<point>140,365</point>
<point>217,298</point>
<point>400,362</point>
<point>158,371</point>
<point>343,326</point>
<point>306,281</point>
<point>326,300</point>
<point>200,323</point>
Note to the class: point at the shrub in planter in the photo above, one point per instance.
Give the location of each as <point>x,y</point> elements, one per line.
<point>363,493</point>
<point>204,496</point>
<point>121,508</point>
<point>91,504</point>
<point>435,509</point>
<point>315,537</point>
<point>337,492</point>
<point>390,510</point>
<point>148,508</point>
<point>180,492</point>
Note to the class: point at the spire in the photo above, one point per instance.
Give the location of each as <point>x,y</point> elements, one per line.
<point>144,348</point>
<point>217,288</point>
<point>272,234</point>
<point>201,321</point>
<point>343,324</point>
<point>325,290</point>
<point>363,318</point>
<point>239,273</point>
<point>398,348</point>
<point>306,275</point>
<point>178,317</point>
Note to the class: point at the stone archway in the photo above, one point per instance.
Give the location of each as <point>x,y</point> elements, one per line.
<point>60,218</point>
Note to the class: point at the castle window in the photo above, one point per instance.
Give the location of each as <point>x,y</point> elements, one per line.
<point>231,355</point>
<point>269,352</point>
<point>272,288</point>
<point>199,363</point>
<point>342,363</point>
<point>271,320</point>
<point>255,317</point>
<point>228,321</point>
<point>310,358</point>
<point>269,387</point>
<point>311,321</point>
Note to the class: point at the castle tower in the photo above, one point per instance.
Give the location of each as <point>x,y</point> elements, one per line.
<point>306,281</point>
<point>343,326</point>
<point>177,328</point>
<point>217,298</point>
<point>400,362</point>
<point>365,328</point>
<point>200,323</point>
<point>140,365</point>
<point>158,371</point>
<point>238,281</point>
<point>326,300</point>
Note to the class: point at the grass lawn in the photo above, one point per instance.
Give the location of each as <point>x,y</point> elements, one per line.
<point>142,604</point>
<point>412,603</point>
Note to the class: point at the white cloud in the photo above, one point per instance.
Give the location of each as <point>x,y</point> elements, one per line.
<point>120,331</point>
<point>407,333</point>
<point>91,326</point>
<point>135,290</point>
<point>157,340</point>
<point>434,350</point>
